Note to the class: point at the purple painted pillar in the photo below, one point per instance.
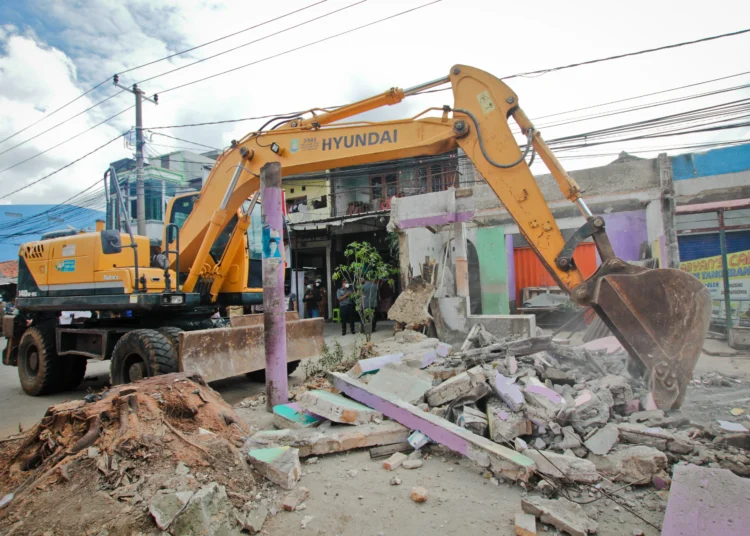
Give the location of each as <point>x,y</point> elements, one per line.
<point>511,270</point>
<point>274,318</point>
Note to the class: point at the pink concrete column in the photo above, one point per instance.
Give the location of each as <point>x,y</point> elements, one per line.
<point>274,318</point>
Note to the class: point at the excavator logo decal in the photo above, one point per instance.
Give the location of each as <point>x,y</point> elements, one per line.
<point>66,266</point>
<point>361,140</point>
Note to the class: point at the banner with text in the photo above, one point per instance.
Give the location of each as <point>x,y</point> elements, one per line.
<point>709,271</point>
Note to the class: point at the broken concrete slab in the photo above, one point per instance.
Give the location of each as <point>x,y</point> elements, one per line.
<point>337,408</point>
<point>411,305</point>
<point>387,450</point>
<point>456,386</point>
<point>165,505</point>
<point>486,453</point>
<point>504,424</point>
<point>562,466</point>
<point>706,501</point>
<point>570,439</point>
<point>563,514</point>
<point>508,391</point>
<point>404,382</point>
<point>632,465</point>
<point>639,434</point>
<point>473,420</point>
<point>280,465</point>
<point>372,364</point>
<point>395,461</point>
<point>290,415</point>
<point>603,440</point>
<point>559,376</point>
<point>207,512</point>
<point>525,525</point>
<point>591,410</point>
<point>544,398</point>
<point>255,519</point>
<point>293,499</point>
<point>618,387</point>
<point>315,441</point>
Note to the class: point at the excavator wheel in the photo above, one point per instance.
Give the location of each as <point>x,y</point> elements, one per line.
<point>139,354</point>
<point>73,371</point>
<point>39,367</point>
<point>173,336</point>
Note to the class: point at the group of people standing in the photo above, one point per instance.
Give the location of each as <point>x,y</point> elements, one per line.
<point>315,300</point>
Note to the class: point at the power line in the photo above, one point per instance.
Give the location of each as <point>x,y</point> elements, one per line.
<point>222,38</point>
<point>55,111</point>
<point>301,47</point>
<point>62,122</point>
<point>58,170</point>
<point>628,54</point>
<point>66,141</point>
<point>250,43</point>
<point>95,87</point>
<point>183,140</point>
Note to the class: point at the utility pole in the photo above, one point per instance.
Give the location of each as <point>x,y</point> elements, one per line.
<point>668,207</point>
<point>274,311</point>
<point>140,190</point>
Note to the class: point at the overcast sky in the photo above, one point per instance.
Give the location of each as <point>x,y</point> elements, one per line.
<point>53,50</point>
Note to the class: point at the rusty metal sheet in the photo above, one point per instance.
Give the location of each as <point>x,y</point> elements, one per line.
<point>225,352</point>
<point>257,319</point>
<point>661,317</point>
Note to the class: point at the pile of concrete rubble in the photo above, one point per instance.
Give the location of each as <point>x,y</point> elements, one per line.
<point>554,418</point>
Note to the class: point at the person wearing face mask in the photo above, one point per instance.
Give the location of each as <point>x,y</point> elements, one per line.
<point>311,298</point>
<point>346,307</point>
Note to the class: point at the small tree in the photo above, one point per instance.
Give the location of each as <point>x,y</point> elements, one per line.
<point>364,263</point>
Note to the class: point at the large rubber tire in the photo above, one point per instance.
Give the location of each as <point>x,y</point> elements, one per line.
<point>74,369</point>
<point>173,336</point>
<point>141,353</point>
<point>39,367</point>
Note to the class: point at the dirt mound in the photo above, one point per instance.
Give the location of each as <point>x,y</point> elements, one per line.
<point>97,463</point>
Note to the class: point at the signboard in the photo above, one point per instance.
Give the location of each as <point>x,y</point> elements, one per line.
<point>709,271</point>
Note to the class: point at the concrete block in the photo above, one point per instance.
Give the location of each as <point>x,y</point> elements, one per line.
<point>444,350</point>
<point>525,525</point>
<point>618,387</point>
<point>558,376</point>
<point>337,408</point>
<point>315,442</point>
<point>563,514</point>
<point>632,465</point>
<point>207,512</point>
<point>570,439</point>
<point>499,459</point>
<point>591,410</point>
<point>412,464</point>
<point>504,424</point>
<point>395,461</point>
<point>290,415</point>
<point>706,501</point>
<point>255,519</point>
<point>509,392</point>
<point>402,381</point>
<point>561,466</point>
<point>295,498</point>
<point>454,387</point>
<point>164,506</point>
<point>280,465</point>
<point>544,398</point>
<point>373,364</point>
<point>603,440</point>
<point>420,359</point>
<point>473,420</point>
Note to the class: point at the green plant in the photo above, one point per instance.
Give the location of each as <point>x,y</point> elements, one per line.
<point>365,263</point>
<point>330,359</point>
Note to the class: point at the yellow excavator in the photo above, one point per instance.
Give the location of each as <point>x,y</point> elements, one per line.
<point>660,316</point>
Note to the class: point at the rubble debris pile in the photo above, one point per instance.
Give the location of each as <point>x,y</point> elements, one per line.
<point>161,452</point>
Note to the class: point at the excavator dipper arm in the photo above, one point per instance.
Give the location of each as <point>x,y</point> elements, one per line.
<point>650,320</point>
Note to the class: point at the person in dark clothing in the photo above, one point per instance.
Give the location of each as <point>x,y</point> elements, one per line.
<point>311,299</point>
<point>346,307</point>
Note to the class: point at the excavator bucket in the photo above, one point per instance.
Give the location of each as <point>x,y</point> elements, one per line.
<point>661,318</point>
<point>226,352</point>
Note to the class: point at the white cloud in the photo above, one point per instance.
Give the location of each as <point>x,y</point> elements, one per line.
<point>93,39</point>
